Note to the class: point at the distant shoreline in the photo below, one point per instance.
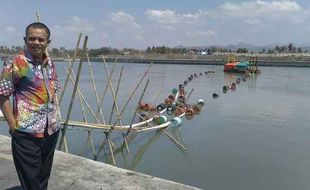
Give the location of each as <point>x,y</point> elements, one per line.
<point>262,62</point>
<point>274,61</point>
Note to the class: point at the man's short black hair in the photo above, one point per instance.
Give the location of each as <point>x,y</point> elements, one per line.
<point>39,25</point>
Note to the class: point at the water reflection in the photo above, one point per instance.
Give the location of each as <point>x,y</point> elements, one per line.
<point>131,162</point>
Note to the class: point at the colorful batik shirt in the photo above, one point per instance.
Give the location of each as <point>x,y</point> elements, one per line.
<point>33,85</point>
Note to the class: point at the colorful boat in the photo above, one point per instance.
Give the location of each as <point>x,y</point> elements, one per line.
<point>231,63</point>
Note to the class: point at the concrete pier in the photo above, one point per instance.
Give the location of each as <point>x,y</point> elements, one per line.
<point>72,172</point>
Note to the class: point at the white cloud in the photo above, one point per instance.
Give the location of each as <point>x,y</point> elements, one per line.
<point>258,22</point>
<point>170,16</point>
<point>124,19</point>
<point>267,10</point>
<point>76,24</point>
<point>204,34</point>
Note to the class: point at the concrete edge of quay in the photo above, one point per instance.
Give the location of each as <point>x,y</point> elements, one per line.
<point>71,172</point>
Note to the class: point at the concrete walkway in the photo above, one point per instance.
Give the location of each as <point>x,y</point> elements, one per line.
<point>71,172</point>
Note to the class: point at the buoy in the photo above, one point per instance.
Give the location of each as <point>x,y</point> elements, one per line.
<point>171,97</point>
<point>196,108</point>
<point>175,122</point>
<point>181,98</point>
<point>160,120</point>
<point>201,102</point>
<point>161,107</point>
<point>171,107</point>
<point>141,105</point>
<point>195,75</point>
<point>225,87</point>
<point>168,101</point>
<point>182,91</point>
<point>174,91</point>
<point>185,82</point>
<point>149,107</point>
<point>215,95</point>
<point>189,111</point>
<point>143,116</point>
<point>179,111</point>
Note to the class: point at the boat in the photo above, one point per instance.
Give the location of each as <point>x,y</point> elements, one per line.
<point>231,64</point>
<point>241,67</point>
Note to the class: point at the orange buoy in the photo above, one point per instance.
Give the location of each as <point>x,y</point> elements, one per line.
<point>196,108</point>
<point>171,97</point>
<point>179,111</point>
<point>168,101</point>
<point>189,111</point>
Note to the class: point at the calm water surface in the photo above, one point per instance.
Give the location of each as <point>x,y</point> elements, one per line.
<point>256,137</point>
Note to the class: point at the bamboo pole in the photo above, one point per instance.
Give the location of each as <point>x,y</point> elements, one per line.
<point>113,106</point>
<point>38,16</point>
<point>112,90</point>
<point>83,98</point>
<point>105,90</point>
<point>189,95</point>
<point>71,66</point>
<point>133,118</point>
<point>73,93</point>
<point>175,141</point>
<point>80,98</point>
<point>111,151</point>
<point>94,87</point>
<point>116,93</point>
<point>133,92</point>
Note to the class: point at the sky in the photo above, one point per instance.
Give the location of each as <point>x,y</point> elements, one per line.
<point>142,23</point>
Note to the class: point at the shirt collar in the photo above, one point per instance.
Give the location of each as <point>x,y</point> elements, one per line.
<point>29,57</point>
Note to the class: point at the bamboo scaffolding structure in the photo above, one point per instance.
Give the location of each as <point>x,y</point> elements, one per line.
<point>189,95</point>
<point>82,97</point>
<point>134,91</point>
<point>175,141</point>
<point>116,93</point>
<point>74,92</point>
<point>134,116</point>
<point>89,141</point>
<point>79,93</point>
<point>114,105</point>
<point>102,146</point>
<point>130,126</point>
<point>94,87</point>
<point>112,90</point>
<point>105,90</point>
<point>71,66</point>
<point>111,151</point>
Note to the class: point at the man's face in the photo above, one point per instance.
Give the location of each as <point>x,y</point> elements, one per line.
<point>36,41</point>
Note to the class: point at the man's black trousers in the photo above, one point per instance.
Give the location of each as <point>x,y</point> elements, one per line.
<point>33,159</point>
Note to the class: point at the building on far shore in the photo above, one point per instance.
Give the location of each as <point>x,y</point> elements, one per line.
<point>199,51</point>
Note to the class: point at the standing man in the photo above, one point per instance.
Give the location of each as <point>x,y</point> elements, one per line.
<point>34,125</point>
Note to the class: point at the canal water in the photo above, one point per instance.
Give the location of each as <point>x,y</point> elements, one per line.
<point>256,137</point>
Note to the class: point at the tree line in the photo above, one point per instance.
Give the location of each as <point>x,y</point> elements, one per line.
<point>63,52</point>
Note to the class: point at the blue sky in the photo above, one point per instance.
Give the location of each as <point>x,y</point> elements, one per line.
<point>142,23</point>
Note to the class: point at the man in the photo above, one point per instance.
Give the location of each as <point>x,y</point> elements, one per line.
<point>33,121</point>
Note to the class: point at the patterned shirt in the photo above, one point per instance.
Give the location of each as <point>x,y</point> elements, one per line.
<point>33,85</point>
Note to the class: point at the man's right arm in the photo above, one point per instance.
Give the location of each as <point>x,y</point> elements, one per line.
<point>7,111</point>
